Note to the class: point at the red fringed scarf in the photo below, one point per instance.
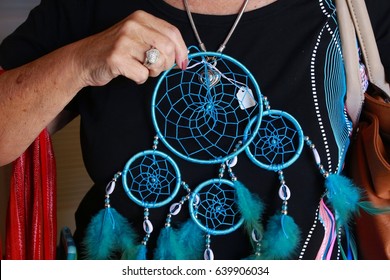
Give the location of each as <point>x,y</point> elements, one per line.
<point>31,229</point>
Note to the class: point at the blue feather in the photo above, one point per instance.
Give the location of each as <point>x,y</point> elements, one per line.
<point>251,208</point>
<point>167,245</point>
<point>141,253</point>
<point>129,253</point>
<point>106,235</point>
<point>373,210</point>
<point>343,196</point>
<point>281,238</point>
<point>191,241</point>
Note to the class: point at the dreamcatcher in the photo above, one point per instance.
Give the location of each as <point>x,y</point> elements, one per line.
<point>277,145</point>
<point>209,114</point>
<point>201,115</point>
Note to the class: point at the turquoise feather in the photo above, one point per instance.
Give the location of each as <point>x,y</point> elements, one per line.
<point>251,208</point>
<point>281,238</point>
<point>371,209</point>
<point>167,245</point>
<point>141,253</point>
<point>191,241</point>
<point>129,253</point>
<point>345,198</point>
<point>106,235</point>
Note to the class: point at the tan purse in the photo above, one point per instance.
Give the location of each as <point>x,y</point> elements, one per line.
<point>368,163</point>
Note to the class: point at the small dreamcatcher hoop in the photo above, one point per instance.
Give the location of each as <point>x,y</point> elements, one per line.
<point>213,207</point>
<point>151,179</point>
<point>278,143</point>
<point>201,113</point>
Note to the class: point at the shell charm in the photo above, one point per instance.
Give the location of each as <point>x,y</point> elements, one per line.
<point>208,254</point>
<point>175,209</point>
<point>148,226</point>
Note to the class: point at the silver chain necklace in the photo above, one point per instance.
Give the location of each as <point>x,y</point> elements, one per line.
<point>223,45</point>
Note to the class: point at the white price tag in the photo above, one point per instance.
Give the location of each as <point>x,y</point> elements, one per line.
<point>245,98</point>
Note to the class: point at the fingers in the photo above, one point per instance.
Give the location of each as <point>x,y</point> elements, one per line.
<point>160,35</point>
<point>121,50</point>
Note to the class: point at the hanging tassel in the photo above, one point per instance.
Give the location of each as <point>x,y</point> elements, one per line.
<point>127,243</point>
<point>167,245</point>
<point>351,253</point>
<point>343,196</point>
<point>345,199</point>
<point>130,253</point>
<point>190,240</point>
<point>141,253</point>
<point>281,238</point>
<point>251,208</point>
<point>106,235</point>
<point>328,222</point>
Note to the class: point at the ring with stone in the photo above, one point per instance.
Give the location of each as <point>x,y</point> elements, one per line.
<point>151,56</point>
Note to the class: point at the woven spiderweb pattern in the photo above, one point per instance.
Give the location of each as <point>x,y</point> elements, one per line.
<point>278,143</point>
<point>201,121</point>
<point>151,179</point>
<point>216,210</point>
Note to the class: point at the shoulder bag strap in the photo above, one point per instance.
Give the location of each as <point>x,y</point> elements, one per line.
<point>354,20</point>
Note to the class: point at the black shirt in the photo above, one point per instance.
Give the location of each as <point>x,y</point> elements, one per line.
<point>292,47</point>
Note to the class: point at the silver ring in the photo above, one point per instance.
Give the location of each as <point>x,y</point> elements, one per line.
<point>151,56</point>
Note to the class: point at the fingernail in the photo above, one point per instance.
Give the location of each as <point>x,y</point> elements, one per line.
<point>184,64</point>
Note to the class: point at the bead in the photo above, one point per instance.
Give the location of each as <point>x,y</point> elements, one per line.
<point>148,226</point>
<point>175,208</point>
<point>316,156</point>
<point>196,199</point>
<point>284,192</point>
<point>208,254</point>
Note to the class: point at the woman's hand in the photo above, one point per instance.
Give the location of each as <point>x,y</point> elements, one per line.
<point>33,95</point>
<point>120,50</point>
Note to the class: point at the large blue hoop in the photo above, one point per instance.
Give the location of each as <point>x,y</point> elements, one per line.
<point>181,152</point>
<point>278,166</point>
<point>194,212</point>
<point>171,189</point>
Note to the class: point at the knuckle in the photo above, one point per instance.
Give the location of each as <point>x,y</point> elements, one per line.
<point>173,31</point>
<point>138,15</point>
<point>141,76</point>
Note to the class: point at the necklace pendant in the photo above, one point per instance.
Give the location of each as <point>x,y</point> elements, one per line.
<point>210,79</point>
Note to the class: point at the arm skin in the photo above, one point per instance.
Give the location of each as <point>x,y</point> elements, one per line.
<point>33,95</point>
